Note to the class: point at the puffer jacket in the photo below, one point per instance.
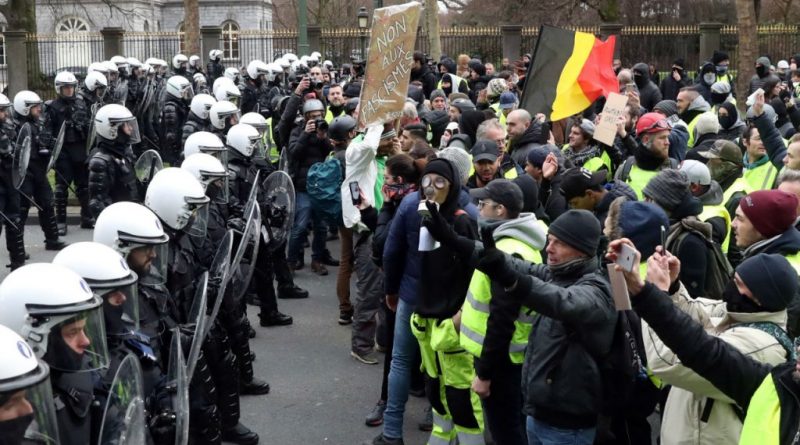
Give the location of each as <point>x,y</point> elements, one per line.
<point>573,330</point>
<point>688,419</point>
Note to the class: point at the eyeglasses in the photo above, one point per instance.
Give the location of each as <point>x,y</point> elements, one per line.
<point>438,183</point>
<point>482,204</point>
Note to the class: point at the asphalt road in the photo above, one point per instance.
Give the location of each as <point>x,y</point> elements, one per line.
<point>320,395</point>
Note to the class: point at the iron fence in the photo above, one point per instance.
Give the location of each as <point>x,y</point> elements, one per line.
<point>144,45</point>
<point>49,54</point>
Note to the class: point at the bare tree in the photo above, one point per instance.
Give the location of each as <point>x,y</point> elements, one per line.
<point>191,27</point>
<point>746,14</point>
<point>432,24</point>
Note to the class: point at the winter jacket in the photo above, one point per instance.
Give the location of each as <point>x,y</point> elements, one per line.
<point>649,94</point>
<point>401,259</point>
<point>173,116</point>
<point>733,133</point>
<point>693,249</point>
<point>193,125</point>
<point>687,417</point>
<point>736,375</point>
<point>305,150</point>
<point>534,136</point>
<point>550,194</point>
<point>428,79</point>
<point>670,88</point>
<point>361,167</point>
<point>757,81</point>
<point>572,331</point>
<point>289,119</point>
<point>615,189</point>
<point>713,197</point>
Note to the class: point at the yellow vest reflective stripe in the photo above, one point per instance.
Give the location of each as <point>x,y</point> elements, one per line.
<point>690,127</point>
<point>455,86</point>
<point>271,146</point>
<point>475,312</point>
<point>511,173</point>
<point>762,426</point>
<point>739,185</point>
<point>794,260</point>
<point>638,179</point>
<point>714,211</point>
<point>762,177</point>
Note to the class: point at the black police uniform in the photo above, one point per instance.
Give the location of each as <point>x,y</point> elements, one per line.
<point>9,197</point>
<point>111,175</point>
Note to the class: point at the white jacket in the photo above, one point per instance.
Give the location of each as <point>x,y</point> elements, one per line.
<point>690,393</point>
<point>360,166</point>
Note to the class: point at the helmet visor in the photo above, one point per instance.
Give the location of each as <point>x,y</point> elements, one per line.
<point>131,129</point>
<point>217,188</point>
<point>121,307</point>
<point>198,221</point>
<point>36,422</point>
<point>149,261</point>
<point>78,343</point>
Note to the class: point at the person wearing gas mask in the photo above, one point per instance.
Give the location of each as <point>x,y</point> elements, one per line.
<point>74,114</point>
<point>649,94</point>
<point>63,321</point>
<point>111,174</point>
<point>214,68</point>
<point>673,82</point>
<point>9,197</point>
<point>26,400</point>
<point>179,94</point>
<point>36,189</point>
<point>198,118</point>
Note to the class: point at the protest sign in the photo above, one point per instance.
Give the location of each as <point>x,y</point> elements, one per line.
<point>606,129</point>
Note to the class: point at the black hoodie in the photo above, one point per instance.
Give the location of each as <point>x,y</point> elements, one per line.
<point>649,94</point>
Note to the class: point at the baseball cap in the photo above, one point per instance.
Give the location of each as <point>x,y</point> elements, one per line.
<point>783,65</point>
<point>696,171</point>
<point>724,150</point>
<point>501,191</point>
<point>485,150</point>
<point>507,100</point>
<point>577,180</point>
<point>463,104</point>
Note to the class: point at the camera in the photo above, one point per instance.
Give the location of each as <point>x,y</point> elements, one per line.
<point>321,124</point>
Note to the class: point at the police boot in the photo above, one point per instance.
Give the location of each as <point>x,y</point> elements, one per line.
<point>240,434</point>
<point>50,229</point>
<point>15,244</point>
<point>60,203</point>
<point>87,221</point>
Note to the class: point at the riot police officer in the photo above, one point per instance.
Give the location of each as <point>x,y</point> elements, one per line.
<point>71,112</point>
<point>214,68</point>
<point>225,89</point>
<point>9,197</point>
<point>179,94</point>
<point>180,67</point>
<point>36,188</point>
<point>197,120</point>
<point>93,89</point>
<point>223,115</point>
<point>257,72</point>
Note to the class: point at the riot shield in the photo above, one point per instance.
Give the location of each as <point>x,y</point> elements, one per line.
<point>197,324</point>
<point>92,129</point>
<point>57,147</point>
<point>148,164</point>
<point>179,388</point>
<point>22,155</point>
<point>124,418</point>
<point>147,98</point>
<point>244,261</point>
<point>277,206</point>
<point>283,163</point>
<point>121,92</point>
<point>219,276</point>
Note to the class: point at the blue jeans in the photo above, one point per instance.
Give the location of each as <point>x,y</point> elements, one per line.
<point>540,433</point>
<point>303,215</point>
<point>403,352</point>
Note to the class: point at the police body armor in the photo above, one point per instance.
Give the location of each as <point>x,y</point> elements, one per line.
<point>173,117</point>
<point>73,394</point>
<point>111,176</point>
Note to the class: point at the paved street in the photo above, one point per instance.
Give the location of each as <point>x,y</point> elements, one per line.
<point>320,395</point>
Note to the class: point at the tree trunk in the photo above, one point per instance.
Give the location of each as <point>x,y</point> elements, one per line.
<point>432,24</point>
<point>748,46</point>
<point>21,16</point>
<point>191,27</point>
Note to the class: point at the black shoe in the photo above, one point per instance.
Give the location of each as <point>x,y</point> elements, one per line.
<point>380,439</point>
<point>375,417</point>
<point>295,265</point>
<point>252,299</point>
<point>275,318</point>
<point>345,317</point>
<point>240,435</point>
<point>254,387</point>
<point>54,245</point>
<point>328,260</point>
<point>251,333</point>
<point>62,229</point>
<point>292,292</point>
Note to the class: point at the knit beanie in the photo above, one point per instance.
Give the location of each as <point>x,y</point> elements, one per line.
<point>496,87</point>
<point>771,212</point>
<point>438,93</point>
<point>460,160</point>
<point>707,123</point>
<point>641,222</point>
<point>668,188</point>
<point>771,279</point>
<point>443,168</point>
<point>578,228</point>
<point>667,107</point>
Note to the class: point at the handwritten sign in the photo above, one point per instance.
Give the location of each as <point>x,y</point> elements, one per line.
<point>606,129</point>
<point>389,62</point>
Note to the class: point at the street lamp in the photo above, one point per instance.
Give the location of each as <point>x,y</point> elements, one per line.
<point>363,23</point>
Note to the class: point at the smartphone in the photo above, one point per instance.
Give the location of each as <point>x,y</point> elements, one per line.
<point>355,193</point>
<point>627,258</point>
<point>619,289</point>
<point>663,239</point>
<point>630,87</point>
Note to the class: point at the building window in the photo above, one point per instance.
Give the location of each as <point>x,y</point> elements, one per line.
<point>71,25</point>
<point>230,40</point>
<point>146,26</point>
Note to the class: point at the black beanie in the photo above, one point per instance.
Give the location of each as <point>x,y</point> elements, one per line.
<point>771,279</point>
<point>578,228</point>
<point>441,167</point>
<point>718,57</point>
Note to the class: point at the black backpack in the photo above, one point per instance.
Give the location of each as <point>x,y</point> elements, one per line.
<point>718,269</point>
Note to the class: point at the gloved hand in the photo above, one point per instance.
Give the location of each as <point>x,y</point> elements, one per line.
<point>494,263</point>
<point>438,227</point>
<point>162,426</point>
<point>237,224</point>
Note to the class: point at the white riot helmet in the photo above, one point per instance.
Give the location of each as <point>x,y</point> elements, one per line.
<point>274,70</point>
<point>96,83</point>
<point>25,392</point>
<point>178,60</point>
<point>57,313</point>
<point>211,173</point>
<point>328,64</point>
<point>291,57</point>
<point>194,60</point>
<point>283,62</point>
<point>255,120</point>
<point>98,67</point>
<point>244,139</point>
<point>128,226</point>
<point>120,62</point>
<point>208,143</point>
<point>179,200</point>
<point>65,79</point>
<point>220,112</point>
<point>256,69</point>
<point>111,121</point>
<point>148,69</point>
<point>113,70</point>
<point>225,89</point>
<point>199,79</point>
<point>24,101</point>
<point>201,104</point>
<point>108,275</point>
<point>4,102</point>
<point>134,62</point>
<point>232,74</point>
<point>215,54</point>
<point>304,59</point>
<point>180,88</point>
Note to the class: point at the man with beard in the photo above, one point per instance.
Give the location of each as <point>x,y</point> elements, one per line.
<point>486,160</point>
<point>524,134</point>
<point>336,103</point>
<point>691,105</point>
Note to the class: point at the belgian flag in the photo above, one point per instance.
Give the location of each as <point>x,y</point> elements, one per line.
<point>569,71</point>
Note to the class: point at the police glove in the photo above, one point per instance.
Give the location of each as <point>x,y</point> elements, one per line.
<point>494,263</point>
<point>237,224</point>
<point>162,426</point>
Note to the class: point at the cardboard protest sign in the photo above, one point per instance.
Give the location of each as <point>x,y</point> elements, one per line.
<point>389,61</point>
<point>606,129</point>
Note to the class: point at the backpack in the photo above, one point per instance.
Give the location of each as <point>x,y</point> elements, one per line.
<point>718,269</point>
<point>323,185</point>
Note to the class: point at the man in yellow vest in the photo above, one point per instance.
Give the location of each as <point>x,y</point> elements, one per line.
<point>336,103</point>
<point>769,395</point>
<point>691,105</point>
<point>789,182</point>
<point>496,331</point>
<point>765,147</point>
<point>764,223</point>
<point>650,156</point>
<point>709,193</point>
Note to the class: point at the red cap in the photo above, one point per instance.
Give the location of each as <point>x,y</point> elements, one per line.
<point>772,212</point>
<point>652,123</point>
